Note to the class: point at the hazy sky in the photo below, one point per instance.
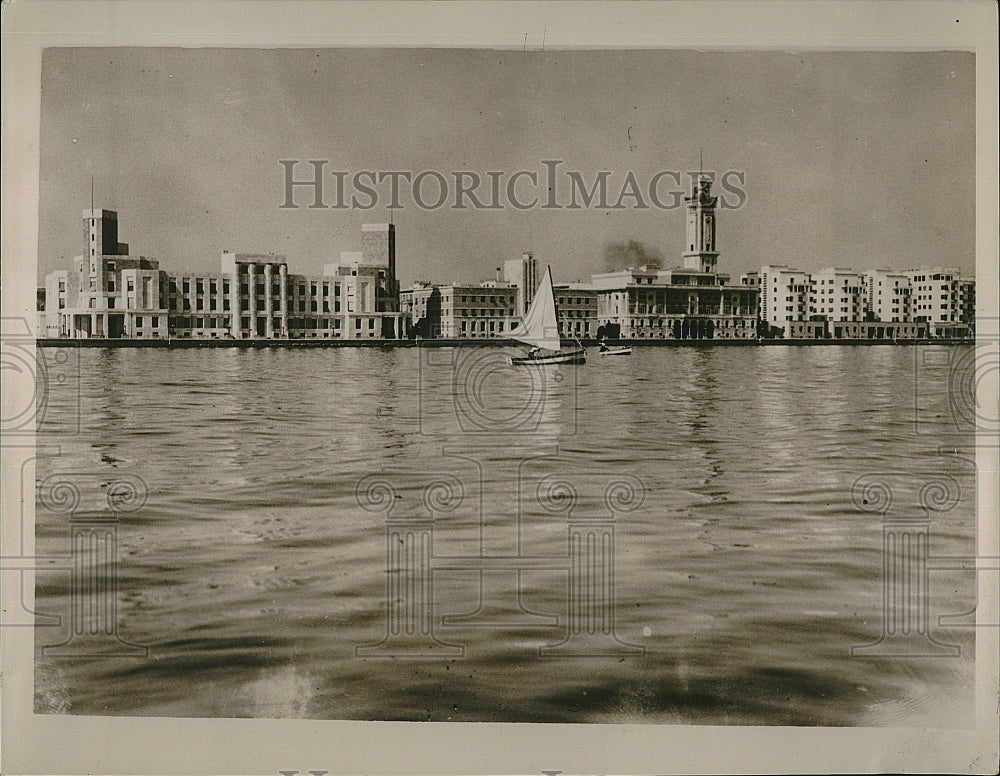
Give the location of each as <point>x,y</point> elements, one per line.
<point>850,159</point>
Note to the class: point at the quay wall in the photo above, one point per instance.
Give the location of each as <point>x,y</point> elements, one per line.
<point>46,342</point>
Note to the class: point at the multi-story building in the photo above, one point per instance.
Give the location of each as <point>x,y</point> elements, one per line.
<point>834,303</point>
<point>577,307</point>
<point>116,295</point>
<point>785,299</point>
<point>837,294</point>
<point>673,304</point>
<point>887,296</point>
<point>487,310</point>
<point>691,302</point>
<point>522,273</point>
<point>109,292</point>
<point>940,297</point>
<point>967,303</point>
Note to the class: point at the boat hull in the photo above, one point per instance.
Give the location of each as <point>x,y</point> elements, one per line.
<point>575,357</point>
<point>617,352</point>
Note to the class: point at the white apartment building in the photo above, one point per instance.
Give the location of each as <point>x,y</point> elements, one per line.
<point>887,295</point>
<point>785,297</point>
<point>838,294</point>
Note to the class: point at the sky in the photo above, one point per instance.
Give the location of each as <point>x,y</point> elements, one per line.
<point>848,159</point>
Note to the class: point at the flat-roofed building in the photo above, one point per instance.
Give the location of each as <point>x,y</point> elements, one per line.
<point>678,303</point>
<point>785,294</point>
<point>938,297</point>
<point>522,273</point>
<point>837,294</point>
<point>477,311</point>
<point>254,296</point>
<point>887,295</point>
<point>92,300</point>
<point>576,304</point>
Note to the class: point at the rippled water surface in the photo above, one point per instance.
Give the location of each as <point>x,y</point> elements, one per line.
<point>740,582</point>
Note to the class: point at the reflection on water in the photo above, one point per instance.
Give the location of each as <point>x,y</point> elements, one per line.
<point>746,575</point>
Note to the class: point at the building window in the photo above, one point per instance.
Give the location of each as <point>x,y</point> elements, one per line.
<point>138,321</point>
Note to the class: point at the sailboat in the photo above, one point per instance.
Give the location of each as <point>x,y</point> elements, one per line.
<point>540,330</point>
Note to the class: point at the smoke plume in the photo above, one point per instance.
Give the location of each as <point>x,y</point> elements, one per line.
<point>631,254</point>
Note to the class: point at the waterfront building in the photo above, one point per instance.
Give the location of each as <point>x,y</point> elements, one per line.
<point>254,296</point>
<point>887,295</point>
<point>837,294</point>
<point>834,303</point>
<point>690,302</point>
<point>112,293</point>
<point>785,299</point>
<point>522,273</point>
<point>646,303</point>
<point>967,303</point>
<point>109,292</point>
<point>486,310</point>
<point>944,300</point>
<point>577,306</point>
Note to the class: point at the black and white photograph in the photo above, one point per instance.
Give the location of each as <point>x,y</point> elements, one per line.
<point>582,386</point>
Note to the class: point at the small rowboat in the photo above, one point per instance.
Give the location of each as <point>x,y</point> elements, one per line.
<point>570,357</point>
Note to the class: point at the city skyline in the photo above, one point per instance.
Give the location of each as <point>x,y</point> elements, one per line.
<point>834,175</point>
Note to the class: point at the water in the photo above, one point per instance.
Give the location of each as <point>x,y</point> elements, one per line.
<point>746,574</point>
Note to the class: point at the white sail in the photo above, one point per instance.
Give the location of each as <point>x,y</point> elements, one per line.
<point>539,327</point>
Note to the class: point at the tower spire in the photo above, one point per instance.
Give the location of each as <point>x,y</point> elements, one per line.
<point>700,251</point>
<point>92,192</point>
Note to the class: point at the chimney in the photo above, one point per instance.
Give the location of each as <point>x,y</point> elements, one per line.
<point>499,274</point>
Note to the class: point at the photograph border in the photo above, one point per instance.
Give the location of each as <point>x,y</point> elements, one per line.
<point>33,743</point>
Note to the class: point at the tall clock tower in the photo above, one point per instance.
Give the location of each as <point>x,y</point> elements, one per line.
<point>700,252</point>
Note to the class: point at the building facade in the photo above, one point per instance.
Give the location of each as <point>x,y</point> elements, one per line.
<point>485,311</point>
<point>112,293</point>
<point>878,304</point>
<point>673,304</point>
<point>943,300</point>
<point>253,296</point>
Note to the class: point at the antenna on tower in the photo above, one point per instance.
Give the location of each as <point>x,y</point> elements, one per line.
<point>701,162</point>
<point>91,193</point>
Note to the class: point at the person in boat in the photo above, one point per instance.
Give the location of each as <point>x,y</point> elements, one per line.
<point>604,346</point>
<point>533,353</point>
